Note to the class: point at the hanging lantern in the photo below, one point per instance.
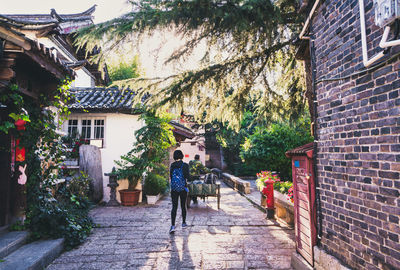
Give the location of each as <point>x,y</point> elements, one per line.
<point>20,124</point>
<point>19,151</point>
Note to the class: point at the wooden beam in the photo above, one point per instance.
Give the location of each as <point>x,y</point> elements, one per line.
<point>44,32</point>
<point>57,72</point>
<point>14,38</point>
<point>11,47</point>
<point>28,93</point>
<point>6,74</point>
<point>7,62</point>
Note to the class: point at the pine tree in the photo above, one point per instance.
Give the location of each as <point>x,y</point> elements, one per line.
<point>254,37</point>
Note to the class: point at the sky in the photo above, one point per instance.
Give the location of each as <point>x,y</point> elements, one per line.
<point>152,52</point>
<point>105,10</point>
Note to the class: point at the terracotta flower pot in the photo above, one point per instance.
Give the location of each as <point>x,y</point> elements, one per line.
<point>129,197</point>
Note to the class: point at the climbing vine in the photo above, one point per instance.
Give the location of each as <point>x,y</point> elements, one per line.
<point>52,210</point>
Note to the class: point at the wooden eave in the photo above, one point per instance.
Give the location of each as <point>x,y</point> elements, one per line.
<point>16,43</point>
<point>303,50</point>
<point>12,36</point>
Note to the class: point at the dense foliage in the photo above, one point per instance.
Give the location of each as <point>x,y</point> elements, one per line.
<point>150,148</point>
<point>51,211</point>
<point>231,141</point>
<point>124,70</point>
<point>64,213</point>
<point>249,41</point>
<point>265,148</point>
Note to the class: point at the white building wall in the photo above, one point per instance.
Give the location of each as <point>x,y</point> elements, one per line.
<point>192,147</point>
<point>82,79</point>
<point>119,136</point>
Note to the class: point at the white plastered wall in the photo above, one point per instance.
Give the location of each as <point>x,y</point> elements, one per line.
<point>118,140</point>
<point>192,147</point>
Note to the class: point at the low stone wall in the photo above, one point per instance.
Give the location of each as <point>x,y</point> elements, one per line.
<point>284,209</point>
<point>236,183</point>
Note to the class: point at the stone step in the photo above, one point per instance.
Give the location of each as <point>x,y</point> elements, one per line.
<point>33,256</point>
<point>3,230</point>
<point>11,241</point>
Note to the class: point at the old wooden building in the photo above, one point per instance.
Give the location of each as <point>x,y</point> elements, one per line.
<point>36,54</point>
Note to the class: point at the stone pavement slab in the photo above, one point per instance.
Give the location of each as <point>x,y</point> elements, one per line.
<point>237,236</point>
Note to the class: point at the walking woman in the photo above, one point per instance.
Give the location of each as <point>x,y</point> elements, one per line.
<point>179,174</point>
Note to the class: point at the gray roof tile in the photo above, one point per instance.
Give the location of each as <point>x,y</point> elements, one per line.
<point>97,98</point>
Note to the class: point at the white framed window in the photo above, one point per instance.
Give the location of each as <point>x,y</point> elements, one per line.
<point>98,129</point>
<point>88,128</point>
<point>73,127</point>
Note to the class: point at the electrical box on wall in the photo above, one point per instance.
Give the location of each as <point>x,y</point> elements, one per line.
<point>386,11</point>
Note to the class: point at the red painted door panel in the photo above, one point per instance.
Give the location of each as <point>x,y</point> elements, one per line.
<point>303,182</point>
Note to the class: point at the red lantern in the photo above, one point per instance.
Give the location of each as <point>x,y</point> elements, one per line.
<point>20,124</point>
<point>19,151</point>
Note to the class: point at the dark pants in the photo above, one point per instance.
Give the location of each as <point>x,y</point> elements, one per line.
<point>175,195</point>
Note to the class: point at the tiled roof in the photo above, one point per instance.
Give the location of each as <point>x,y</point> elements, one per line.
<point>301,150</point>
<point>67,23</point>
<point>102,99</point>
<point>53,17</point>
<point>182,130</point>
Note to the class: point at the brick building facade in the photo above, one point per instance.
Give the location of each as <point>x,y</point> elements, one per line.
<point>358,134</point>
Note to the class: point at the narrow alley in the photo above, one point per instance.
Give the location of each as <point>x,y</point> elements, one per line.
<point>237,236</point>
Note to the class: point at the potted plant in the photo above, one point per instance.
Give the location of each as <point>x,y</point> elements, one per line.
<point>149,150</point>
<point>132,169</point>
<point>154,185</point>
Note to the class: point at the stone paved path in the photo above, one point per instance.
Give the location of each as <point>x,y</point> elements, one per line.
<point>235,237</point>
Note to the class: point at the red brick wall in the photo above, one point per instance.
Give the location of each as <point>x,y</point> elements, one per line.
<point>358,140</point>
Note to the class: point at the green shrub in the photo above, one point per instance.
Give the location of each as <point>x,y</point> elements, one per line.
<point>283,187</point>
<point>265,149</point>
<point>64,214</point>
<point>155,184</point>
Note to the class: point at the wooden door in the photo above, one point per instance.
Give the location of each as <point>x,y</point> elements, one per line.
<point>304,207</point>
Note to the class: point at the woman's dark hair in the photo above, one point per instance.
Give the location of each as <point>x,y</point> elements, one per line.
<point>197,157</point>
<point>178,155</point>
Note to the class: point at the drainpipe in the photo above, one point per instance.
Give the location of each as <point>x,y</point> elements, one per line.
<point>317,202</point>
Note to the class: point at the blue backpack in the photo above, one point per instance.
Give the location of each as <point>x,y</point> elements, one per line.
<point>177,180</point>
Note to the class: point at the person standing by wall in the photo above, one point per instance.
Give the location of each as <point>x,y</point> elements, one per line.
<point>179,174</point>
